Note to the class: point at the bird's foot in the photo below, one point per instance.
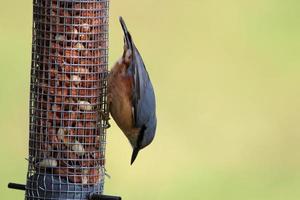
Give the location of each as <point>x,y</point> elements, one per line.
<point>106,118</point>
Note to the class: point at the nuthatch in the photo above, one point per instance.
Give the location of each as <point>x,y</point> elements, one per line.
<point>131,96</point>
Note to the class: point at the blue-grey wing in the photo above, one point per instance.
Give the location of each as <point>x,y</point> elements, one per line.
<point>143,92</point>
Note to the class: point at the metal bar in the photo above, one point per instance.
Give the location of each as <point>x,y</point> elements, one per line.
<point>103,197</point>
<point>16,186</point>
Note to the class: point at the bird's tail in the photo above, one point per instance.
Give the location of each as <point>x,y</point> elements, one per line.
<point>127,36</point>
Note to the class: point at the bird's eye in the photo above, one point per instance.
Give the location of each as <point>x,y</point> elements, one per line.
<point>141,136</point>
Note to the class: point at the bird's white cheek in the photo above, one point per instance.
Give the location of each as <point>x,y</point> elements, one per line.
<point>128,56</point>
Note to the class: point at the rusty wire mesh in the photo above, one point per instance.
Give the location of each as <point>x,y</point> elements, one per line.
<point>68,99</point>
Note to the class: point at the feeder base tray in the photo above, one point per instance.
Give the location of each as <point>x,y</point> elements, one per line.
<point>56,188</point>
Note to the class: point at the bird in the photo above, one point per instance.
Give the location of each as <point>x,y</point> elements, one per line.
<point>131,98</point>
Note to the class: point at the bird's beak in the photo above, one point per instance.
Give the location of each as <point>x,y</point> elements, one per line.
<point>134,154</point>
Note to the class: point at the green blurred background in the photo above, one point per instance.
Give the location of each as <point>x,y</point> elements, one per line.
<point>226,75</point>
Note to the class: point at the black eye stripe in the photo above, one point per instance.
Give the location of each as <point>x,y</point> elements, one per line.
<point>141,136</point>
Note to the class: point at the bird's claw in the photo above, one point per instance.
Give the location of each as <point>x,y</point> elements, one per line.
<point>106,118</point>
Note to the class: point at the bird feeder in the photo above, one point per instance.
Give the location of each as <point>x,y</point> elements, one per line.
<point>68,108</point>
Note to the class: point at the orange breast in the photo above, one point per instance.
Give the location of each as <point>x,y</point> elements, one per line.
<point>121,107</point>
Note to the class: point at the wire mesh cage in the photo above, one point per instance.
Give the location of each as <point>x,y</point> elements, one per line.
<point>68,109</point>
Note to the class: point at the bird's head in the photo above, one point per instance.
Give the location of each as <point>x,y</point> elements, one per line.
<point>145,137</point>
